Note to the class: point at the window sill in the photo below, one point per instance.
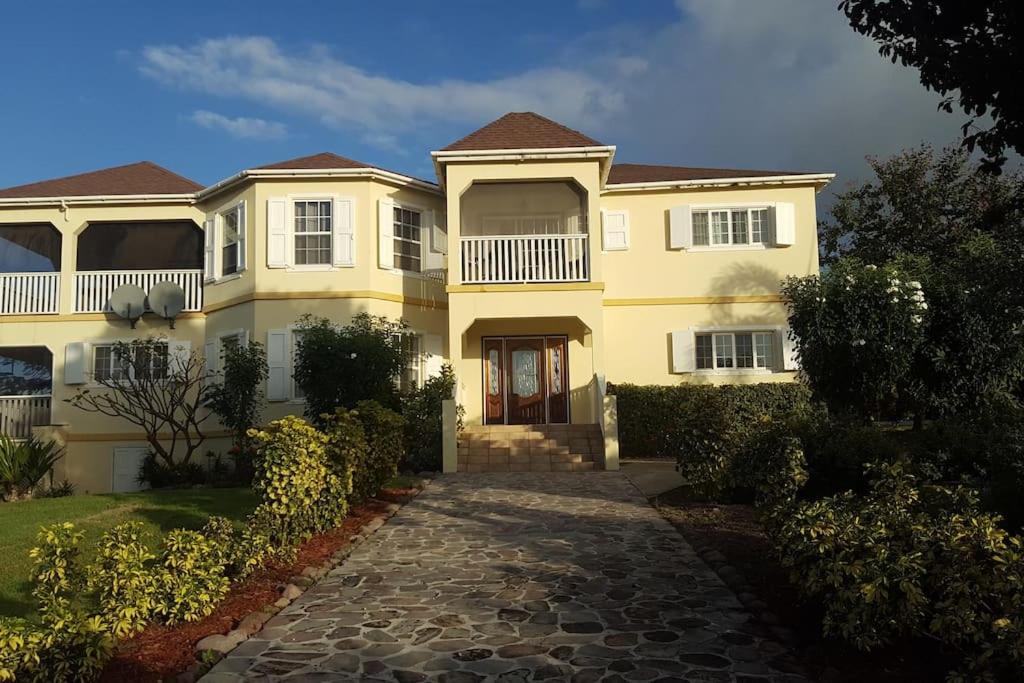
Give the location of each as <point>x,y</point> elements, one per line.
<point>225,278</point>
<point>736,371</point>
<point>730,247</point>
<point>317,268</point>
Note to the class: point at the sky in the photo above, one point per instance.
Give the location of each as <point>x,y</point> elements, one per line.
<point>210,88</point>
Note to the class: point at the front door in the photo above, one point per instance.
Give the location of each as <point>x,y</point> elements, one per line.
<point>526,380</point>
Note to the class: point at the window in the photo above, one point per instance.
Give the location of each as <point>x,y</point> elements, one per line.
<point>408,240</point>
<point>725,227</point>
<point>229,249</point>
<point>313,225</point>
<point>150,364</point>
<point>735,350</point>
<point>411,345</point>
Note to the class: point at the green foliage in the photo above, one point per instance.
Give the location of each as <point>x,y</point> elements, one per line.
<point>240,551</point>
<point>158,474</point>
<point>57,574</point>
<point>702,427</point>
<point>910,558</point>
<point>338,366</point>
<point>857,331</point>
<point>421,408</point>
<point>23,464</point>
<point>124,584</point>
<point>72,649</point>
<point>237,399</point>
<point>61,490</point>
<point>385,443</point>
<point>192,581</point>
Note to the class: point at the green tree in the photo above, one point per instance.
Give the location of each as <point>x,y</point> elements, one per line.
<point>338,366</point>
<point>969,52</point>
<point>237,399</point>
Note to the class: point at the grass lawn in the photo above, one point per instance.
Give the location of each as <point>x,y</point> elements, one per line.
<point>159,511</point>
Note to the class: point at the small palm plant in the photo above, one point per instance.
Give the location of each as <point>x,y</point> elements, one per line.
<point>23,464</point>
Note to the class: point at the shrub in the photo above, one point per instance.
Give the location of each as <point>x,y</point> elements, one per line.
<point>237,400</point>
<point>702,427</point>
<point>23,464</point>
<point>61,490</point>
<point>421,408</point>
<point>192,579</point>
<point>240,551</point>
<point>158,474</point>
<point>57,574</point>
<point>385,448</point>
<point>124,584</point>
<point>338,366</point>
<point>73,649</point>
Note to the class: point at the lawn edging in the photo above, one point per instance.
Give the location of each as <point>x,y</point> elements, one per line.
<point>212,648</point>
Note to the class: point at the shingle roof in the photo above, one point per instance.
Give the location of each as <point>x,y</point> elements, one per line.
<point>522,130</point>
<point>315,161</point>
<point>142,178</point>
<point>647,173</point>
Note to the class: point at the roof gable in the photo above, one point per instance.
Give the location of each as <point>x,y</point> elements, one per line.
<point>316,161</point>
<point>522,130</point>
<point>141,178</point>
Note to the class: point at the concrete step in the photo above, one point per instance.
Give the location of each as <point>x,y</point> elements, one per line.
<point>530,448</point>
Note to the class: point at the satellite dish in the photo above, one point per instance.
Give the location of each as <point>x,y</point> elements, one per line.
<point>167,299</point>
<point>128,301</point>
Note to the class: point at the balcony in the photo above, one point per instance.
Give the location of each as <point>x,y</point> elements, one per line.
<point>18,414</point>
<point>518,259</point>
<point>93,288</point>
<point>22,293</point>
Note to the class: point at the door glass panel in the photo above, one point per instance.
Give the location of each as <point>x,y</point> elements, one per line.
<point>525,377</point>
<point>556,370</point>
<point>493,380</point>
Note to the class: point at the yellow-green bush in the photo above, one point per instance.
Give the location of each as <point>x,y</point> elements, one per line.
<point>72,649</point>
<point>385,448</point>
<point>192,579</point>
<point>123,582</point>
<point>239,551</point>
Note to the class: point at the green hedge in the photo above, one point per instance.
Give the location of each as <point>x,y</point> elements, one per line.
<point>702,427</point>
<point>385,448</point>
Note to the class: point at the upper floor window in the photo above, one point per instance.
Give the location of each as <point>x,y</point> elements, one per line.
<point>725,227</point>
<point>230,243</point>
<point>735,350</point>
<point>144,363</point>
<point>408,240</point>
<point>313,228</point>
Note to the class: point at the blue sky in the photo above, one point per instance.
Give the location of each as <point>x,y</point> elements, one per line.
<point>209,88</point>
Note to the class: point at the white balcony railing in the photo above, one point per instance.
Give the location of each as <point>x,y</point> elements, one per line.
<point>511,259</point>
<point>18,414</point>
<point>93,289</point>
<point>29,293</point>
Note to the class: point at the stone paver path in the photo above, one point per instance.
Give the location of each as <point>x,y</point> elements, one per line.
<point>516,577</point>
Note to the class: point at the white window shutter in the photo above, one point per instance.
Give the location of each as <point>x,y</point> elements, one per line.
<point>277,363</point>
<point>277,232</point>
<point>433,355</point>
<point>615,230</point>
<point>178,354</point>
<point>344,232</point>
<point>788,346</point>
<point>243,230</point>
<point>684,353</point>
<point>75,362</point>
<point>386,234</point>
<point>680,227</point>
<point>439,233</point>
<point>433,259</point>
<point>210,358</point>
<point>784,222</point>
<point>209,235</point>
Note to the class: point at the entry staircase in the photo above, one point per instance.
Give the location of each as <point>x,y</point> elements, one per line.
<point>531,448</point>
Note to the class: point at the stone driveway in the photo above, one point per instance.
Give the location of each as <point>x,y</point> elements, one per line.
<point>516,577</point>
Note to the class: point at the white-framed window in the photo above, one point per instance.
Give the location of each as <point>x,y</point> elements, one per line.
<point>722,227</point>
<point>411,376</point>
<point>109,365</point>
<point>314,225</point>
<point>230,241</point>
<point>408,235</point>
<point>735,350</point>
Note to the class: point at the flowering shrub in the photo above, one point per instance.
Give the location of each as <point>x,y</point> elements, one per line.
<point>857,329</point>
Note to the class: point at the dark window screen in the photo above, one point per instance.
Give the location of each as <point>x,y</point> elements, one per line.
<point>141,245</point>
<point>29,248</point>
<point>25,370</point>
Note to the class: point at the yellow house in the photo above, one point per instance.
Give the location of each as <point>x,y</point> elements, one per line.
<point>536,266</point>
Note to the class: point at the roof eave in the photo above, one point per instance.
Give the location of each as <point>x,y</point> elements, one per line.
<point>819,179</point>
<point>605,153</point>
<point>271,173</point>
<point>80,200</point>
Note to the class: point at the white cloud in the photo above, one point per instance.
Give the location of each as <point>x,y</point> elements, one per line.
<point>240,127</point>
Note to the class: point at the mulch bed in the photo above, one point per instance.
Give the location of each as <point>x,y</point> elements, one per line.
<point>735,532</point>
<point>161,652</point>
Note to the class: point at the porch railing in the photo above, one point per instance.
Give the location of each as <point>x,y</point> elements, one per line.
<point>93,289</point>
<point>19,414</point>
<point>29,293</point>
<point>512,259</point>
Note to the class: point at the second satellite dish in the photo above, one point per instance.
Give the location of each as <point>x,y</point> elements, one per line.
<point>128,301</point>
<point>167,300</point>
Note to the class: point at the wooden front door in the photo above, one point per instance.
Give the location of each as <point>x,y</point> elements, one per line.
<point>526,380</point>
